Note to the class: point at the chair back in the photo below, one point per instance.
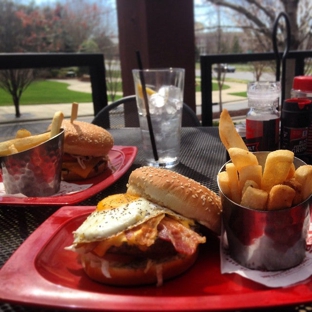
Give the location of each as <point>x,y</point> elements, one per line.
<point>123,113</point>
<point>117,115</point>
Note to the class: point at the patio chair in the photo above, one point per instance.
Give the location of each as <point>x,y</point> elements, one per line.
<point>116,115</point>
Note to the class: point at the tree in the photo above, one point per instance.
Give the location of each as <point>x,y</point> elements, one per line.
<point>83,20</point>
<point>15,82</point>
<point>236,48</point>
<point>221,49</point>
<point>11,27</point>
<point>68,26</point>
<point>257,17</point>
<point>96,25</point>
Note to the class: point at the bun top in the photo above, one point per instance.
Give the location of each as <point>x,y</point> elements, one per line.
<point>86,139</point>
<point>178,193</point>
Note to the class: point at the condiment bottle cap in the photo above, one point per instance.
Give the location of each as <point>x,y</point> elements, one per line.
<point>302,83</point>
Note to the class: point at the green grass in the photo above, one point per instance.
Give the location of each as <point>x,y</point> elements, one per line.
<point>114,85</point>
<point>243,94</point>
<point>53,92</point>
<point>215,87</point>
<point>46,92</point>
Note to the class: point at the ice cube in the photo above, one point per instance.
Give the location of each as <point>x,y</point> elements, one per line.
<point>175,93</point>
<point>171,107</point>
<point>164,91</point>
<point>168,99</point>
<point>157,100</point>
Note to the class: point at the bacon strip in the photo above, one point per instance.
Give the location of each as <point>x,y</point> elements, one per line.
<point>184,240</point>
<point>144,235</point>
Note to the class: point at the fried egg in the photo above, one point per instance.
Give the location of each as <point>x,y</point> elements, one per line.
<point>116,214</point>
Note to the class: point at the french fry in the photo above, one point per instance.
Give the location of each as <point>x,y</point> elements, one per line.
<point>224,183</point>
<point>252,172</point>
<point>233,178</point>
<point>241,158</point>
<point>56,124</point>
<point>249,183</point>
<point>254,198</point>
<point>228,134</point>
<point>22,133</point>
<point>22,144</point>
<point>291,172</point>
<point>276,168</point>
<point>297,186</point>
<point>281,196</point>
<point>280,185</point>
<point>13,149</point>
<point>303,175</point>
<point>74,112</point>
<point>24,140</point>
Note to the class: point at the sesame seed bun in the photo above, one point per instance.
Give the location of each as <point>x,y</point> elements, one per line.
<point>178,193</point>
<point>85,139</point>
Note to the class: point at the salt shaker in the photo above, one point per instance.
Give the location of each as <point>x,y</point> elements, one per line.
<point>263,118</point>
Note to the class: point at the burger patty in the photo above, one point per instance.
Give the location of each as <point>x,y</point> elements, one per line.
<point>172,238</point>
<point>159,249</point>
<point>96,167</point>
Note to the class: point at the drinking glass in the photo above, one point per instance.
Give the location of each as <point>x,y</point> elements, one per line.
<point>160,121</point>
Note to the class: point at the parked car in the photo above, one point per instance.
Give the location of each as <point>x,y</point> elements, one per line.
<point>71,74</point>
<point>224,68</point>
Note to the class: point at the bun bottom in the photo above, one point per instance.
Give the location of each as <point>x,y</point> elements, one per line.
<point>130,275</point>
<point>72,176</point>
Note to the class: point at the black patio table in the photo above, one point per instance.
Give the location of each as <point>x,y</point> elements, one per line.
<point>202,155</point>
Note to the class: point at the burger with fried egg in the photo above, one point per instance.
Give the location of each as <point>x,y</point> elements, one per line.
<point>147,235</point>
<point>85,150</point>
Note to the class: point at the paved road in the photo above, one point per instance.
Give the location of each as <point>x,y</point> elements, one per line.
<point>244,76</point>
<point>250,76</point>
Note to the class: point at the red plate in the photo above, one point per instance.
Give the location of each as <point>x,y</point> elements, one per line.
<point>42,273</point>
<point>121,158</point>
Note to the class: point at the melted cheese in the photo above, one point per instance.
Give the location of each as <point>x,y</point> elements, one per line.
<point>78,169</point>
<point>104,245</point>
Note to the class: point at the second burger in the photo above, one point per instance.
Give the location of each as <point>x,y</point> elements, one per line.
<point>86,147</point>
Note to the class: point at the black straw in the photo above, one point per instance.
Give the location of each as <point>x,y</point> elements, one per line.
<point>149,121</point>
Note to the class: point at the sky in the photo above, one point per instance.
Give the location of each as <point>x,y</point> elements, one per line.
<point>211,15</point>
<point>206,14</point>
<point>201,11</point>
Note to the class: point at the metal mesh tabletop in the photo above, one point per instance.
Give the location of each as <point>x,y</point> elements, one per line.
<point>202,155</point>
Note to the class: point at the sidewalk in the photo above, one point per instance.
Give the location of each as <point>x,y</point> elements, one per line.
<point>46,111</point>
<point>42,112</point>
